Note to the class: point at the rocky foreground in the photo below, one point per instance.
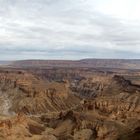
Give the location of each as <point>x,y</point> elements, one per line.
<point>69,104</point>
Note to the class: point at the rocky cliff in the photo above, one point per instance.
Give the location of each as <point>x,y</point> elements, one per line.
<point>70,105</point>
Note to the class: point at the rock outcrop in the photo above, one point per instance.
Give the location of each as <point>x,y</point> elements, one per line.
<point>70,105</point>
<point>25,92</point>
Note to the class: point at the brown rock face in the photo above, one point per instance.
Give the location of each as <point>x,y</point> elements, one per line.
<point>69,104</point>
<point>29,94</point>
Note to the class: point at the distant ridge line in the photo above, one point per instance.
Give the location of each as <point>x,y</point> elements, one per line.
<point>88,63</point>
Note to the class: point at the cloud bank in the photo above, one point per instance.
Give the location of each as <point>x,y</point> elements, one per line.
<point>69,29</point>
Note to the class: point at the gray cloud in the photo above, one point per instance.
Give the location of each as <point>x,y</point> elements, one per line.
<point>55,28</point>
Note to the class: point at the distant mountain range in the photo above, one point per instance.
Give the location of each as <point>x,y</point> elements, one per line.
<point>87,63</point>
<point>5,62</point>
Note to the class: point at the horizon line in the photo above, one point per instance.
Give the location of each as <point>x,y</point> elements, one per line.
<point>71,59</point>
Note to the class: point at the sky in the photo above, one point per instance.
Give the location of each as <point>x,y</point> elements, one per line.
<point>69,29</point>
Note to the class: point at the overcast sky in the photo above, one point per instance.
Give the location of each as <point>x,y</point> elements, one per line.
<point>69,29</point>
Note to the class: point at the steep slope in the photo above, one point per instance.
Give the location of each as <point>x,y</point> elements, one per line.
<point>61,104</point>
<point>22,91</point>
<point>102,85</point>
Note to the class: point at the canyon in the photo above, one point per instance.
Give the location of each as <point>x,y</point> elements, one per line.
<point>70,100</point>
